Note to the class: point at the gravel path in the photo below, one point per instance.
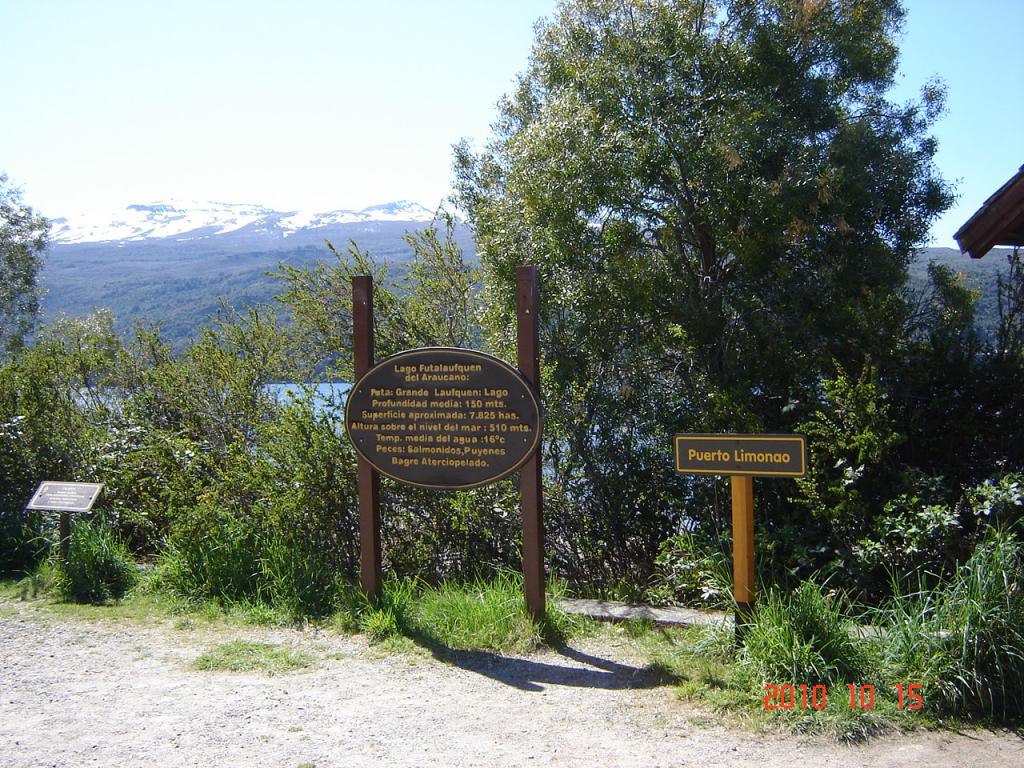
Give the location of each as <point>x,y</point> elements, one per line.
<point>84,693</point>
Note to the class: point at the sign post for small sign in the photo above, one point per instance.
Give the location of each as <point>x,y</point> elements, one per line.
<point>742,457</point>
<point>65,498</point>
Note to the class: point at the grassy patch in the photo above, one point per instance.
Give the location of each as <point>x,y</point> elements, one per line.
<point>138,607</point>
<point>638,628</point>
<point>484,614</point>
<point>964,642</point>
<point>803,638</point>
<point>10,589</point>
<point>700,660</point>
<point>147,603</point>
<point>794,640</point>
<point>246,656</point>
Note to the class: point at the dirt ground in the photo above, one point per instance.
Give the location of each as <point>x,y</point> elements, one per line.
<point>103,693</point>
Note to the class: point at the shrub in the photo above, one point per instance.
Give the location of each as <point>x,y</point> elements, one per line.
<point>915,527</point>
<point>802,638</point>
<point>998,500</point>
<point>689,571</point>
<point>22,543</point>
<point>42,432</point>
<point>964,641</point>
<point>98,567</point>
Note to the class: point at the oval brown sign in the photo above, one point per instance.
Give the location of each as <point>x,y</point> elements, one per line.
<point>443,417</point>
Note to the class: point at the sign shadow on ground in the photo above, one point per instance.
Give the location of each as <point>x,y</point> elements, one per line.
<point>534,676</point>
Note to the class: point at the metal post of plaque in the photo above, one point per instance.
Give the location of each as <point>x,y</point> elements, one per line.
<point>64,498</point>
<point>530,485</point>
<point>367,479</point>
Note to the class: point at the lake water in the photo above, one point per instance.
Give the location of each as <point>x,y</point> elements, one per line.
<point>328,397</point>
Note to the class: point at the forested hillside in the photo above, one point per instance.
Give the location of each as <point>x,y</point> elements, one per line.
<point>981,275</point>
<point>180,285</point>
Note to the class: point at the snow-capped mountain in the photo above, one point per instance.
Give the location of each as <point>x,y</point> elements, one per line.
<point>174,262</point>
<point>188,221</point>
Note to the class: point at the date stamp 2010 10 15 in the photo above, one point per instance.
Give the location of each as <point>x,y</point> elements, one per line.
<point>816,696</point>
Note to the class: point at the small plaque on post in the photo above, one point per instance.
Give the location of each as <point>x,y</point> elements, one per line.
<point>65,497</point>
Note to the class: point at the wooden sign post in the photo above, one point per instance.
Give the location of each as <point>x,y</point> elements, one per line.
<point>531,498</point>
<point>450,419</point>
<point>743,576</point>
<point>367,479</point>
<point>742,457</point>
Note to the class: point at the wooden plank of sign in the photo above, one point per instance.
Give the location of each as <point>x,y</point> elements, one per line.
<point>531,487</point>
<point>744,455</point>
<point>367,479</point>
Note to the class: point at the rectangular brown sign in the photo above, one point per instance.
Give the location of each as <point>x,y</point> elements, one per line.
<point>749,455</point>
<point>65,497</point>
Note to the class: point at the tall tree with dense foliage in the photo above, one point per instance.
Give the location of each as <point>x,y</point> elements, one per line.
<point>23,240</point>
<point>723,203</point>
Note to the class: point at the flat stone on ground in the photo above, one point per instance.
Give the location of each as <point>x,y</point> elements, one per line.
<point>611,610</point>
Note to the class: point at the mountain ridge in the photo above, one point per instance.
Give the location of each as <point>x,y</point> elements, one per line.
<point>195,220</point>
<point>205,254</point>
<point>211,253</point>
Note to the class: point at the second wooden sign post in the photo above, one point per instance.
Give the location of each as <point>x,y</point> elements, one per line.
<point>742,457</point>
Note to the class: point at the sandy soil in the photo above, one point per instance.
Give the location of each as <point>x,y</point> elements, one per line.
<point>84,693</point>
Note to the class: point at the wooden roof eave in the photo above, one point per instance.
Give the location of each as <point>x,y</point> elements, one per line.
<point>999,221</point>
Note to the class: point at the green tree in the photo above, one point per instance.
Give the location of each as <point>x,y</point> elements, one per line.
<point>23,240</point>
<point>432,300</point>
<point>54,407</point>
<point>723,204</point>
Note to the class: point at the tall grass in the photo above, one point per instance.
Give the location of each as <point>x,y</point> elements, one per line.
<point>235,561</point>
<point>23,545</point>
<point>221,562</point>
<point>802,637</point>
<point>98,566</point>
<point>486,613</point>
<point>965,640</point>
<point>295,579</point>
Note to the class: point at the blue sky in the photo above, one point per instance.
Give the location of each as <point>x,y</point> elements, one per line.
<point>342,104</point>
